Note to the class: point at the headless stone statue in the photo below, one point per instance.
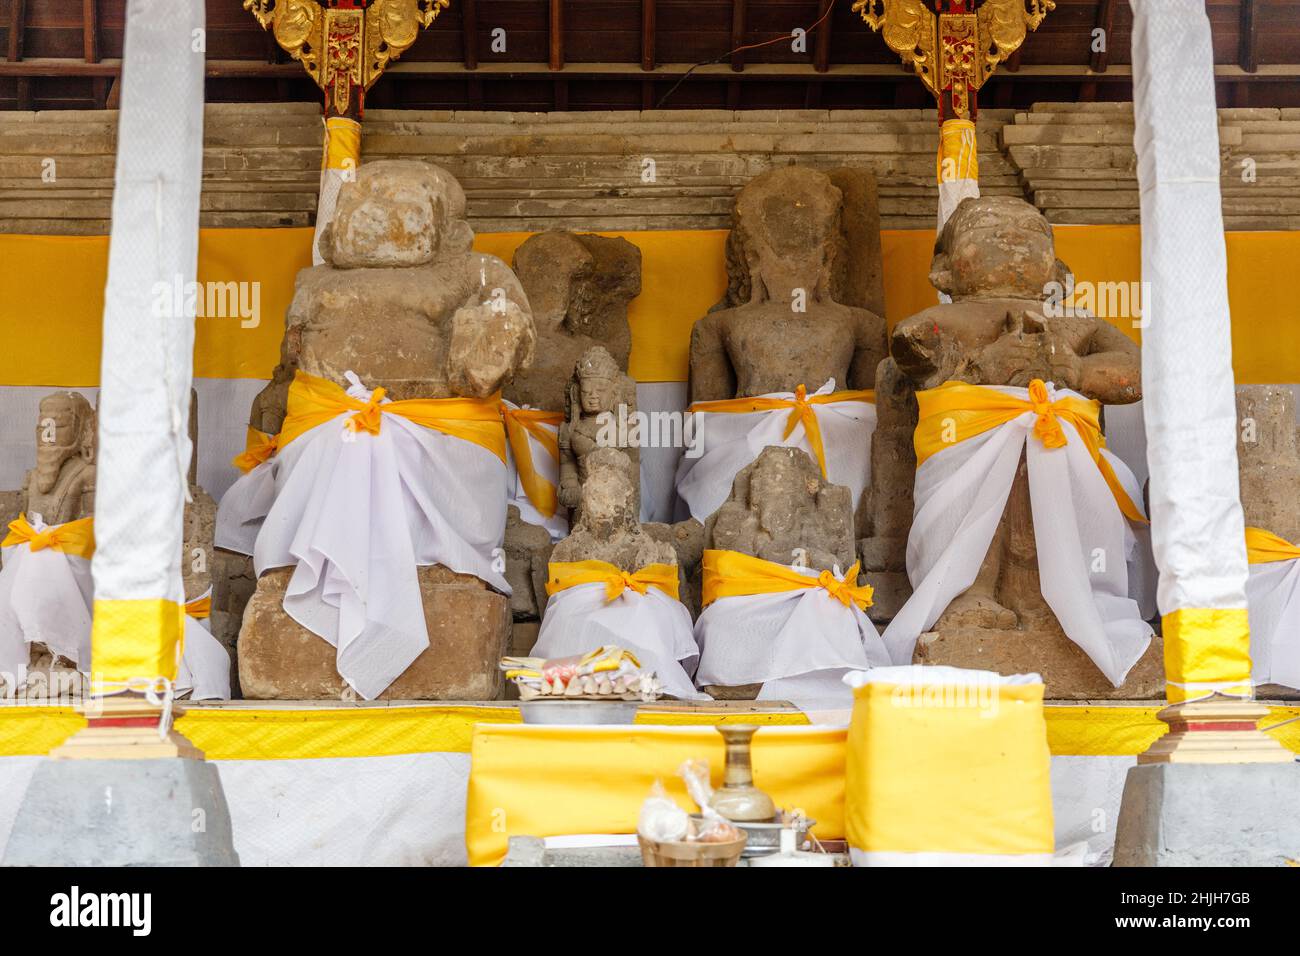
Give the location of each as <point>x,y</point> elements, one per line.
<point>783,325</point>
<point>609,528</point>
<point>996,259</point>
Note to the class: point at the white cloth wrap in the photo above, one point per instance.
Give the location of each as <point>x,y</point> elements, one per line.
<point>768,638</point>
<point>204,670</point>
<point>653,626</point>
<point>45,597</point>
<point>1083,539</point>
<point>1273,596</point>
<point>557,525</point>
<point>355,514</point>
<point>731,440</point>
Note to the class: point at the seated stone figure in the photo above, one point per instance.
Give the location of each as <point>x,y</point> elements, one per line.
<point>600,396</point>
<point>61,487</point>
<point>794,326</point>
<point>995,257</point>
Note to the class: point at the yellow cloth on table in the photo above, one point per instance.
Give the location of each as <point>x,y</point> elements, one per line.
<point>948,769</point>
<point>258,447</point>
<point>731,574</point>
<point>562,575</point>
<point>520,424</point>
<point>537,780</point>
<point>1264,547</point>
<point>956,411</point>
<point>72,537</point>
<point>800,411</point>
<point>314,401</point>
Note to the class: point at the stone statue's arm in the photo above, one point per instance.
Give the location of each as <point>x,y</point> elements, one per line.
<point>925,350</point>
<point>570,491</point>
<point>870,346</point>
<point>712,377</point>
<point>1112,368</point>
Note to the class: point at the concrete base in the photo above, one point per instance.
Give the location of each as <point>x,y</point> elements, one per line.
<point>1188,814</point>
<point>167,812</point>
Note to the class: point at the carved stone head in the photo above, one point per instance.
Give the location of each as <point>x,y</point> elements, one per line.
<point>786,224</point>
<point>65,430</point>
<point>599,380</point>
<point>995,246</point>
<point>397,213</point>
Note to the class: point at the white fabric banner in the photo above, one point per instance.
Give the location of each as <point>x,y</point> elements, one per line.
<point>730,441</point>
<point>45,597</point>
<point>1083,539</point>
<point>653,626</point>
<point>355,514</point>
<point>1273,596</point>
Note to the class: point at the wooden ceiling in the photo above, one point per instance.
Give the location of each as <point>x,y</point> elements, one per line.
<point>630,54</point>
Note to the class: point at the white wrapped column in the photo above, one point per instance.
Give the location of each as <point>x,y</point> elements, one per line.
<point>1196,519</point>
<point>144,448</point>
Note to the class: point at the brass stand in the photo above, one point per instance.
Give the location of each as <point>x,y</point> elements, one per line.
<point>1219,729</point>
<point>124,727</point>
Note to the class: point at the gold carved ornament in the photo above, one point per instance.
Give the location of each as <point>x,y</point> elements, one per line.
<point>953,51</point>
<point>340,47</point>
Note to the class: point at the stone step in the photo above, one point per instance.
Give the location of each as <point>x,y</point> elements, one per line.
<point>1093,135</point>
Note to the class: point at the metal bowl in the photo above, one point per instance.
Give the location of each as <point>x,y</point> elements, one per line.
<point>578,711</point>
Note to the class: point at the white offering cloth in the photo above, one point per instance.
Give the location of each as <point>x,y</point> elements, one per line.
<point>45,597</point>
<point>654,626</point>
<point>557,525</point>
<point>205,667</point>
<point>731,440</point>
<point>355,514</point>
<point>808,634</point>
<point>1273,597</point>
<point>1082,537</point>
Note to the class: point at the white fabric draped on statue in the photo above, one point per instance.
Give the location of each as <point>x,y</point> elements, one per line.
<point>1273,597</point>
<point>654,626</point>
<point>546,466</point>
<point>204,670</point>
<point>45,598</point>
<point>355,514</point>
<point>728,441</point>
<point>767,638</point>
<point>1083,539</point>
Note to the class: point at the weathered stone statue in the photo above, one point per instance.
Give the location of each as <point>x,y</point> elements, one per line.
<point>784,324</point>
<point>1268,459</point>
<point>609,528</point>
<point>61,487</point>
<point>599,410</point>
<point>579,287</point>
<point>996,259</point>
<point>403,302</point>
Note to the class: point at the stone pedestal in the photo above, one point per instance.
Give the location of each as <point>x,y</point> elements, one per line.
<point>165,812</point>
<point>469,630</point>
<point>1068,673</point>
<point>1196,814</point>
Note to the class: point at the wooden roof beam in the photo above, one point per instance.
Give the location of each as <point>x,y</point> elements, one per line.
<point>90,29</point>
<point>557,35</point>
<point>822,50</point>
<point>469,33</point>
<point>737,34</point>
<point>17,25</point>
<point>1248,47</point>
<point>647,35</point>
<point>1105,23</point>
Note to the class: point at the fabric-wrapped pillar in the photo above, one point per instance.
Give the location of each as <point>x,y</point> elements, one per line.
<point>147,360</point>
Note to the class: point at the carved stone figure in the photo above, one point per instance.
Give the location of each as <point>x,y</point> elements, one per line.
<point>996,259</point>
<point>579,287</point>
<point>599,410</point>
<point>61,487</point>
<point>1268,459</point>
<point>403,302</point>
<point>783,325</point>
<point>609,528</point>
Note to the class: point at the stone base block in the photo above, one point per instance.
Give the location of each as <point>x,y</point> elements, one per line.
<point>167,812</point>
<point>469,630</point>
<point>1068,673</point>
<point>1195,814</point>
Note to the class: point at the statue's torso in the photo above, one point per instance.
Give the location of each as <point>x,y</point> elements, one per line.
<point>774,349</point>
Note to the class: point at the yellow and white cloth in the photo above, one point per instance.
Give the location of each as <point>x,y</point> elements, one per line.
<point>45,593</point>
<point>594,603</point>
<point>969,441</point>
<point>1273,599</point>
<point>796,631</point>
<point>533,464</point>
<point>957,168</point>
<point>359,493</point>
<point>947,767</point>
<point>834,427</point>
<point>204,669</point>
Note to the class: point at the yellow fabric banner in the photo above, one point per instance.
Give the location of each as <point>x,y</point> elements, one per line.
<point>732,574</point>
<point>520,424</point>
<point>72,537</point>
<point>342,143</point>
<point>562,575</point>
<point>957,157</point>
<point>1264,547</point>
<point>1206,650</point>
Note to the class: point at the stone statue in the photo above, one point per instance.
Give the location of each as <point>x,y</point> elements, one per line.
<point>599,410</point>
<point>61,487</point>
<point>996,258</point>
<point>404,302</point>
<point>1268,459</point>
<point>579,287</point>
<point>782,324</point>
<point>609,528</point>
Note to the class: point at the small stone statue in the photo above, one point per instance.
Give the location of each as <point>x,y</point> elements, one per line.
<point>609,528</point>
<point>61,487</point>
<point>599,410</point>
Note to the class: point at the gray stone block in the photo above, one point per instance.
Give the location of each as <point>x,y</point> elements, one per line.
<point>166,812</point>
<point>1184,814</point>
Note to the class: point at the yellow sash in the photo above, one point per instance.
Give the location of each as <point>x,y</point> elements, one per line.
<point>520,423</point>
<point>1264,547</point>
<point>314,401</point>
<point>563,575</point>
<point>801,410</point>
<point>956,411</point>
<point>200,607</point>
<point>258,447</point>
<point>72,537</point>
<point>732,574</point>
